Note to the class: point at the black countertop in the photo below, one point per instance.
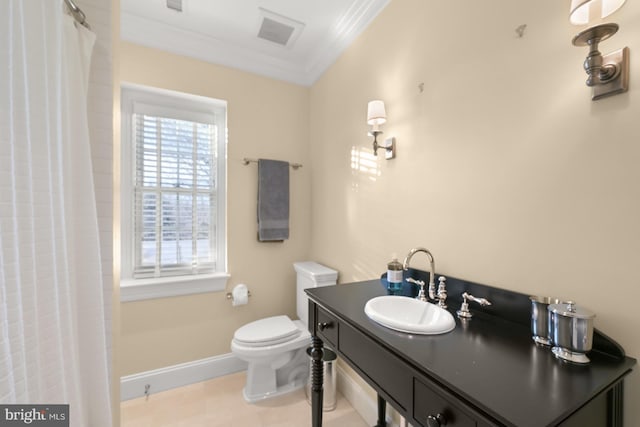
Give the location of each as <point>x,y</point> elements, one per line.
<point>491,363</point>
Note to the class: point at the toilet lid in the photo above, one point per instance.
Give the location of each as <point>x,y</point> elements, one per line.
<point>277,328</point>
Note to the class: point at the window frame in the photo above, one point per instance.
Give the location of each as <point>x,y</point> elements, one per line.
<point>186,107</point>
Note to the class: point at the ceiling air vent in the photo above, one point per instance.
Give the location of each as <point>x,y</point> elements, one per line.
<point>175,5</point>
<point>279,29</point>
<point>275,31</point>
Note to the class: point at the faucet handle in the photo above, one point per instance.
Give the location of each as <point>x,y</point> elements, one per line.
<point>441,284</point>
<point>421,295</point>
<point>441,296</point>
<point>464,308</point>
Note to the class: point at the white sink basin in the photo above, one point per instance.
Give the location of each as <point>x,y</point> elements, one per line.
<point>409,315</point>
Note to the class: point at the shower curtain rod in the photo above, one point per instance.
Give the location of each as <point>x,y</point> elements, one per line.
<point>77,13</point>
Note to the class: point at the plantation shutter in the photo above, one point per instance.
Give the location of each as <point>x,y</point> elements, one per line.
<point>174,190</point>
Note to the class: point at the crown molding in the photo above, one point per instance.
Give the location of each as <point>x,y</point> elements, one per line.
<point>302,71</point>
<point>345,31</point>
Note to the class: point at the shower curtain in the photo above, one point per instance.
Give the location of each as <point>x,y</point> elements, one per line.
<point>53,344</point>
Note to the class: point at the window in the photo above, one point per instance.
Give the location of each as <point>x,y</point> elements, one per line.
<point>173,193</point>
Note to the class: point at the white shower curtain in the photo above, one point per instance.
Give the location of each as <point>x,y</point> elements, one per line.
<point>53,344</point>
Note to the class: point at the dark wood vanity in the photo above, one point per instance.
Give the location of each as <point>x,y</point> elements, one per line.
<point>486,372</point>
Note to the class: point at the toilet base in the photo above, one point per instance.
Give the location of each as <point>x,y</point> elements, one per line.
<point>278,392</point>
<point>264,382</point>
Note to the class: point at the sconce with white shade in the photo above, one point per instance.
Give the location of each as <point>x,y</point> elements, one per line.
<point>376,116</point>
<point>584,11</point>
<point>608,74</point>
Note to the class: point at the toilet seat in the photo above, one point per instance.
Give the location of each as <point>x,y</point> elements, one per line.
<point>267,332</point>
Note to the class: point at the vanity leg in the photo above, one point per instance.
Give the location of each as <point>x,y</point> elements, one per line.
<point>382,412</point>
<point>615,399</point>
<point>317,376</point>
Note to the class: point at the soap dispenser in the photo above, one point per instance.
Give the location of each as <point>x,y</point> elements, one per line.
<point>394,276</point>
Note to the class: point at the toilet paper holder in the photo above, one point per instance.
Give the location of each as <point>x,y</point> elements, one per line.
<point>230,295</point>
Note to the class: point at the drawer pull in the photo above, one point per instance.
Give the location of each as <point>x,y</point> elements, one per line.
<point>325,325</point>
<point>436,420</point>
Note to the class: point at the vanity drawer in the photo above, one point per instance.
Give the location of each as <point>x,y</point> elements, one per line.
<point>376,364</point>
<point>327,327</point>
<point>427,401</point>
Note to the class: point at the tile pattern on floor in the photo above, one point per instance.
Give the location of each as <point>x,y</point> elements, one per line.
<point>219,402</point>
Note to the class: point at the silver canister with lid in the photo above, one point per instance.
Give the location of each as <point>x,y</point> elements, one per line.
<point>571,331</point>
<point>540,318</point>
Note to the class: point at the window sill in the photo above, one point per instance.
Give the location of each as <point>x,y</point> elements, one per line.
<point>143,289</point>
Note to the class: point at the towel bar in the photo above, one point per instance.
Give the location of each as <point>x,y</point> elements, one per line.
<point>246,161</point>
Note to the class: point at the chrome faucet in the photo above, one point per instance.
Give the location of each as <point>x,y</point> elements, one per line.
<point>432,272</point>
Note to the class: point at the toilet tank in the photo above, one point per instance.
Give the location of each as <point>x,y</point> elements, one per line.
<point>311,275</point>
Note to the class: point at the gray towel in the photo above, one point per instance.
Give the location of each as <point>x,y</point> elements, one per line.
<point>273,200</point>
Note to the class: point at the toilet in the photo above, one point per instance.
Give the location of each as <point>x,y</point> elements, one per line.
<point>275,347</point>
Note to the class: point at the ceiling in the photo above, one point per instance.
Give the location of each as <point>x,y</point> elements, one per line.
<point>301,38</point>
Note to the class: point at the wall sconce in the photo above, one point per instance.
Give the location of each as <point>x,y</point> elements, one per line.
<point>608,74</point>
<point>376,116</point>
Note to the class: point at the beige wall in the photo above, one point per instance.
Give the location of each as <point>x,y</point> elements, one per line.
<point>266,119</point>
<point>506,170</point>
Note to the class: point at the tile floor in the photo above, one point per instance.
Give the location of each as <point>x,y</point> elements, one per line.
<point>218,402</point>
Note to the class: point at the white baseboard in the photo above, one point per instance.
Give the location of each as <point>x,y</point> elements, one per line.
<point>360,399</point>
<point>132,386</point>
